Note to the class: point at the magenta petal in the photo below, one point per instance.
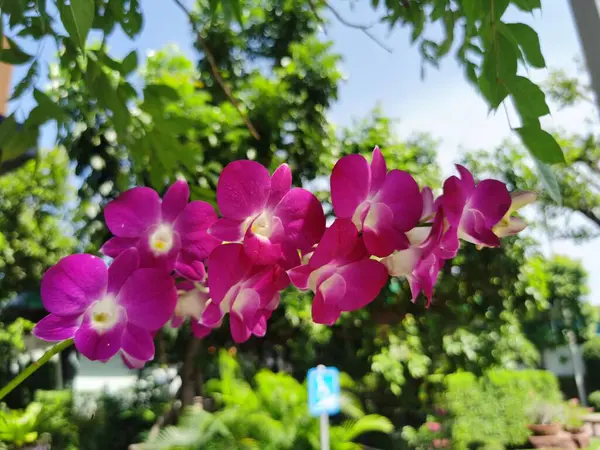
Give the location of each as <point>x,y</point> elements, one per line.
<point>468,182</point>
<point>453,200</point>
<point>239,330</point>
<point>450,244</point>
<point>339,240</point>
<point>428,203</point>
<point>350,183</point>
<point>131,362</point>
<point>475,229</point>
<point>73,284</point>
<point>260,329</point>
<point>177,321</point>
<point>299,276</point>
<point>97,346</point>
<point>138,343</point>
<point>379,235</point>
<point>323,313</point>
<point>243,189</point>
<point>175,200</point>
<point>227,265</point>
<point>401,193</point>
<point>425,276</point>
<point>121,268</point>
<point>190,267</point>
<point>199,330</point>
<point>56,328</point>
<point>227,230</point>
<point>364,280</point>
<point>246,305</point>
<point>281,183</point>
<point>212,315</point>
<point>149,297</point>
<point>261,251</point>
<point>133,212</point>
<point>492,200</point>
<point>378,171</point>
<point>291,257</point>
<point>116,245</point>
<point>195,220</point>
<point>302,217</point>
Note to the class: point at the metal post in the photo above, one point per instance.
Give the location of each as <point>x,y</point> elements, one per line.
<point>587,21</point>
<point>324,432</point>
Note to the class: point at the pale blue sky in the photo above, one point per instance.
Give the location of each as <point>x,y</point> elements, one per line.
<point>443,104</point>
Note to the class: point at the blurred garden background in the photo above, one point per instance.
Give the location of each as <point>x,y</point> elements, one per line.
<point>167,89</point>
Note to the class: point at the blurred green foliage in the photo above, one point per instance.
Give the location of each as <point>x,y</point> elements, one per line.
<point>270,413</point>
<point>591,357</point>
<point>489,50</point>
<point>594,399</point>
<point>35,221</point>
<point>491,410</point>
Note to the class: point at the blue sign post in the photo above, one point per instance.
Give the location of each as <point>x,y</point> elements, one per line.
<point>324,397</point>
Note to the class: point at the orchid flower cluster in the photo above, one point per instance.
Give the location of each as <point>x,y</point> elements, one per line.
<point>176,260</point>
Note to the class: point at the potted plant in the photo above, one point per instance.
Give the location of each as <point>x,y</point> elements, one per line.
<point>545,418</point>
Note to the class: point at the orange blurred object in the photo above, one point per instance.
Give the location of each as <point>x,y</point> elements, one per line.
<point>5,78</point>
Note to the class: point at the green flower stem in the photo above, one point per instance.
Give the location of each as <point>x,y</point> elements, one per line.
<point>33,367</point>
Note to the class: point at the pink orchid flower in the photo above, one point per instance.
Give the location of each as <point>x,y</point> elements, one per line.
<point>510,225</point>
<point>340,274</point>
<point>171,234</point>
<point>473,209</point>
<point>382,205</point>
<point>106,310</point>
<point>272,220</point>
<point>193,298</point>
<point>421,263</point>
<point>248,293</point>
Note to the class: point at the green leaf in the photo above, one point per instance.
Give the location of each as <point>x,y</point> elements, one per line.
<point>8,129</point>
<point>13,54</point>
<point>529,42</point>
<point>109,98</point>
<point>471,10</point>
<point>16,139</point>
<point>130,63</point>
<point>77,17</point>
<point>49,107</point>
<point>541,144</point>
<point>528,5</point>
<point>529,98</point>
<point>161,91</point>
<point>26,82</point>
<point>500,7</point>
<point>548,179</point>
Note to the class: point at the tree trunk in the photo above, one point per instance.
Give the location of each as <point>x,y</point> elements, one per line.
<point>188,372</point>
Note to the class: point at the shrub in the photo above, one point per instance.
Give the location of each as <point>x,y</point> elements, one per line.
<point>268,413</point>
<point>591,356</point>
<point>594,400</point>
<point>492,410</point>
<point>55,419</point>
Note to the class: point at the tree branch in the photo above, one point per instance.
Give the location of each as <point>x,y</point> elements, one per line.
<point>591,216</point>
<point>215,69</point>
<point>366,29</point>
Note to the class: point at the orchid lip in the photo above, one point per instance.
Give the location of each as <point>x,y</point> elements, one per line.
<point>105,314</point>
<point>162,239</point>
<point>262,225</point>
